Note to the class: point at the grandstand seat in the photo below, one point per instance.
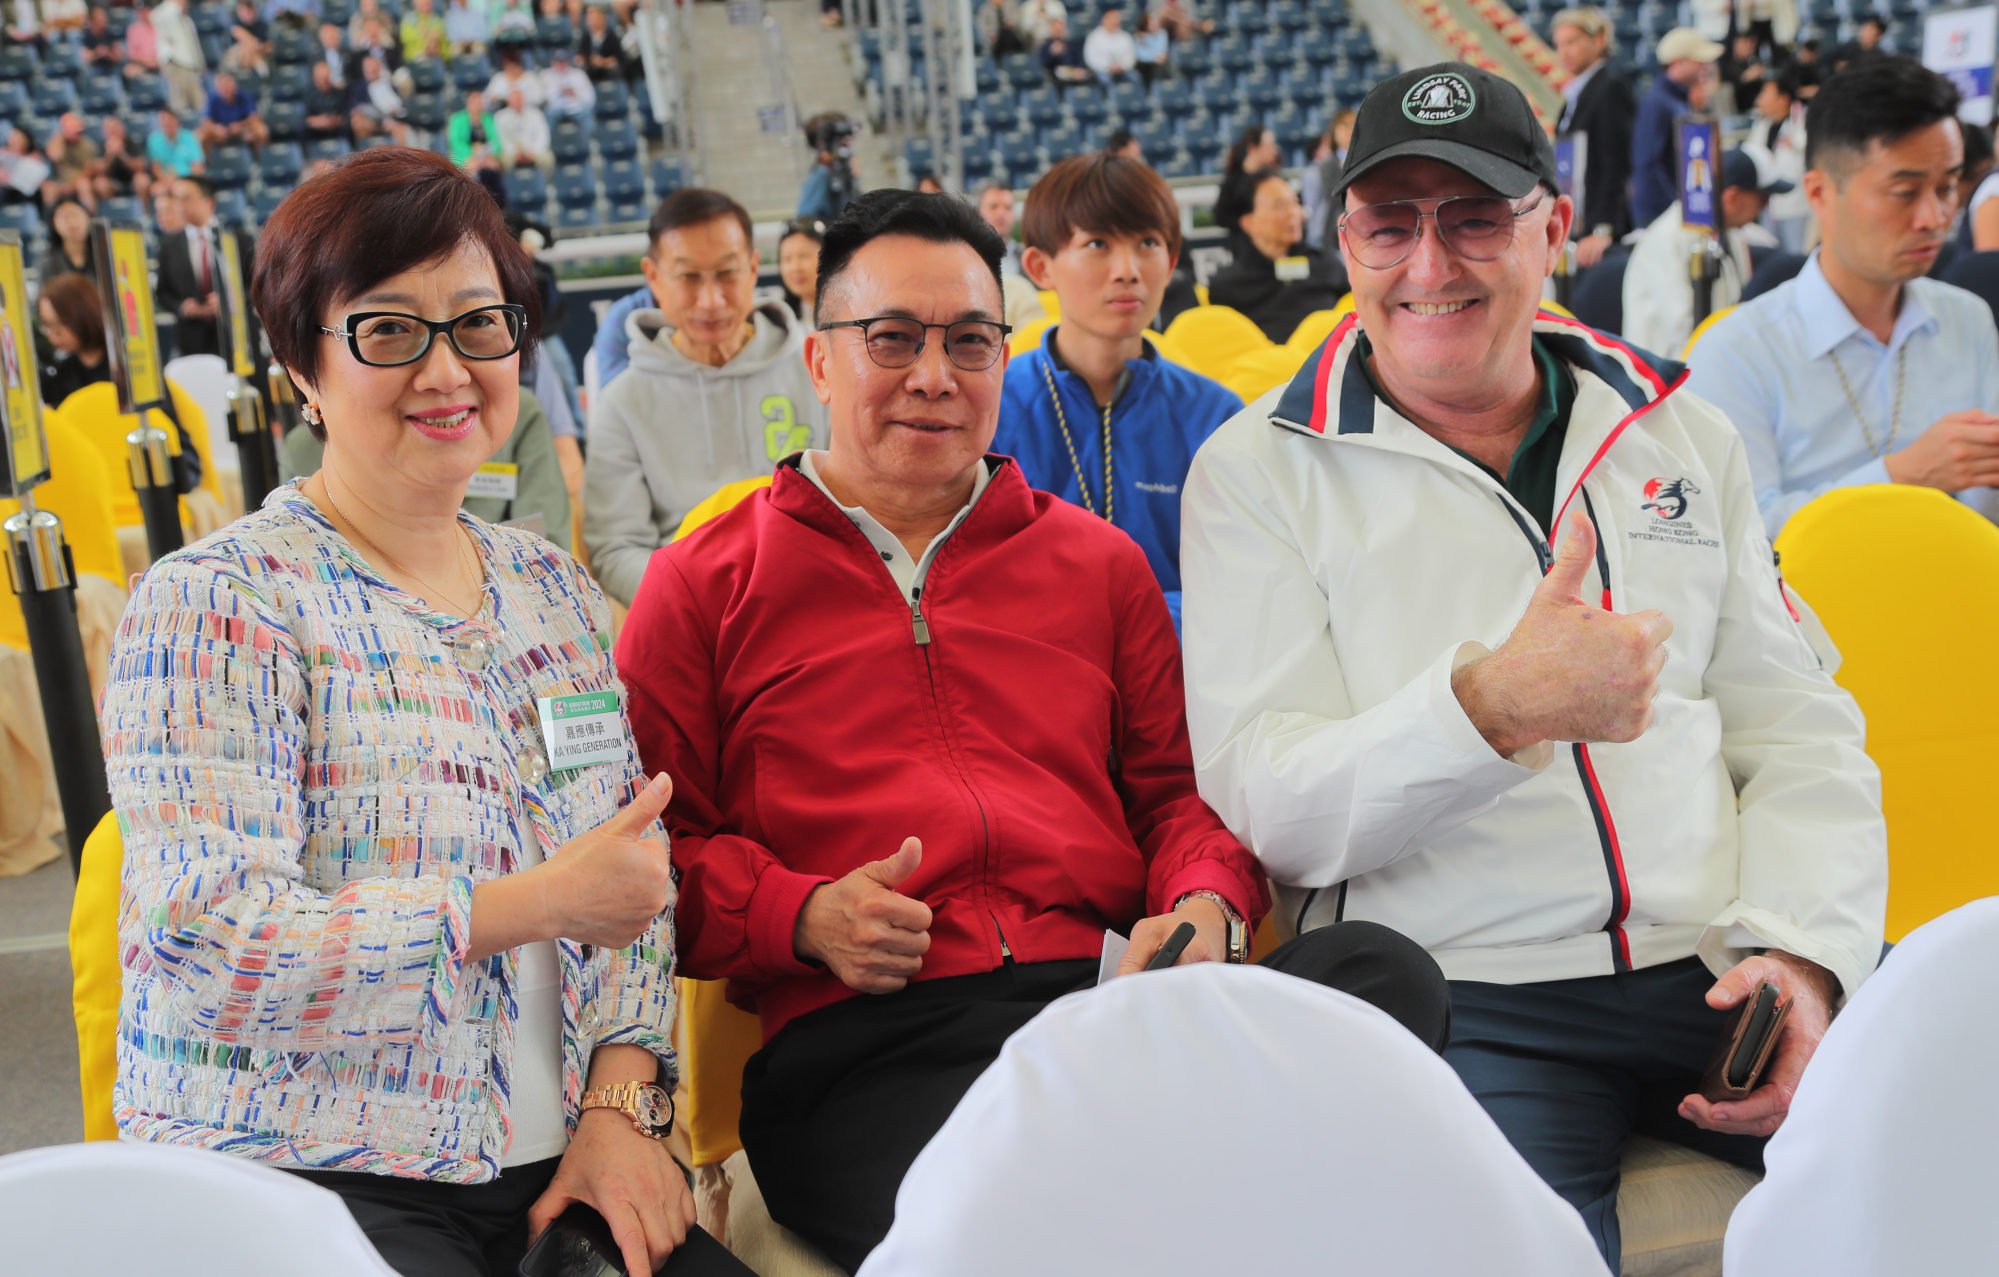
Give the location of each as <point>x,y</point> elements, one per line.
<point>468,73</point>
<point>1043,107</point>
<point>1022,71</point>
<point>290,46</point>
<point>101,97</point>
<point>289,83</point>
<point>667,177</point>
<point>554,32</point>
<point>1922,676</point>
<point>1176,164</point>
<point>21,219</point>
<point>574,185</point>
<point>1128,99</point>
<point>232,208</point>
<point>986,77</point>
<point>1155,138</point>
<point>61,61</point>
<point>50,98</point>
<point>576,217</point>
<point>919,155</point>
<point>527,190</point>
<point>617,140</point>
<point>1219,96</point>
<point>210,18</point>
<point>281,164</point>
<point>428,112</point>
<point>331,148</point>
<point>341,12</point>
<point>229,167</point>
<point>613,103</point>
<point>569,141</point>
<point>625,191</point>
<point>1192,62</point>
<point>267,202</point>
<point>1235,58</point>
<point>145,93</point>
<point>1214,337</point>
<point>1260,89</point>
<point>998,115</point>
<point>976,164</point>
<point>17,62</point>
<point>14,101</point>
<point>427,75</point>
<point>121,208</point>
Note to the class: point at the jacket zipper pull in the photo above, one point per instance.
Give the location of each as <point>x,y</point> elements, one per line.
<point>917,623</point>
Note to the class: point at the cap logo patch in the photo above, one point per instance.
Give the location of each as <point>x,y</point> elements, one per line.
<point>1444,98</point>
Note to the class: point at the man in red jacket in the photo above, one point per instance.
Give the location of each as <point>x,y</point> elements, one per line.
<point>928,743</point>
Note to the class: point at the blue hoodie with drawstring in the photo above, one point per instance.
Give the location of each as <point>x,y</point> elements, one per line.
<point>1159,419</point>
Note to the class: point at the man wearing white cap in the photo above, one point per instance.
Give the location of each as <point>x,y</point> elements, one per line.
<point>1658,284</point>
<point>1686,77</point>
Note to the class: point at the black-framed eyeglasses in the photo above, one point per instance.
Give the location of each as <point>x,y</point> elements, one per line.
<point>391,338</point>
<point>895,341</point>
<point>1476,227</point>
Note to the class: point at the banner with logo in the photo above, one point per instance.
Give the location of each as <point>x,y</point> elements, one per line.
<point>234,296</point>
<point>1961,44</point>
<point>1700,174</point>
<point>1572,170</point>
<point>26,459</point>
<point>132,337</point>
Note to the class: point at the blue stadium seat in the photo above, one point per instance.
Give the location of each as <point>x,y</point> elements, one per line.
<point>667,177</point>
<point>1220,96</point>
<point>326,149</point>
<point>625,191</point>
<point>281,164</point>
<point>427,75</point>
<point>1064,142</point>
<point>1261,91</point>
<point>1250,20</point>
<point>576,217</point>
<point>146,93</point>
<point>229,167</point>
<point>1288,15</point>
<point>1191,61</point>
<point>919,155</point>
<point>1043,107</point>
<point>1128,99</point>
<point>285,120</point>
<point>613,103</point>
<point>14,100</point>
<point>427,112</point>
<point>291,46</point>
<point>1155,137</point>
<point>977,165</point>
<point>17,62</point>
<point>267,203</point>
<point>1022,71</point>
<point>50,98</point>
<point>289,83</point>
<point>573,186</point>
<point>527,190</point>
<point>341,12</point>
<point>211,18</point>
<point>121,208</point>
<point>470,73</point>
<point>998,115</point>
<point>232,208</point>
<point>570,141</point>
<point>62,62</point>
<point>1234,57</point>
<point>617,140</point>
<point>21,219</point>
<point>554,32</point>
<point>102,98</point>
<point>987,77</point>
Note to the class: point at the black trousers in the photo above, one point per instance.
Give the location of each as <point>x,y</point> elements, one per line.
<point>426,1229</point>
<point>1569,1069</point>
<point>840,1102</point>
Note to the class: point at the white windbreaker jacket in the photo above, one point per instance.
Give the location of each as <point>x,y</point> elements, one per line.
<point>1339,564</point>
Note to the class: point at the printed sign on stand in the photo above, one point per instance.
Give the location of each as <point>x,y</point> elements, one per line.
<point>1700,165</point>
<point>1960,44</point>
<point>25,462</point>
<point>126,290</point>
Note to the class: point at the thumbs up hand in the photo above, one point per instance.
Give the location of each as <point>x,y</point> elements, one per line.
<point>606,886</point>
<point>1569,671</point>
<point>862,930</point>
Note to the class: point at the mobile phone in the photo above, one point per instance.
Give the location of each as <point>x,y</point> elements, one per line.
<point>1176,944</point>
<point>1746,1045</point>
<point>579,1244</point>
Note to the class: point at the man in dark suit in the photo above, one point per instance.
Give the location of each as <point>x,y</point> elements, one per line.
<point>190,269</point>
<point>1598,104</point>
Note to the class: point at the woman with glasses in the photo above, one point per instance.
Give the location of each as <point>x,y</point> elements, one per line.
<point>395,912</point>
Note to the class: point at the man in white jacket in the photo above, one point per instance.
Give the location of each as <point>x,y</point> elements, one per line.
<point>1610,790</point>
<point>1658,282</point>
<point>717,390</point>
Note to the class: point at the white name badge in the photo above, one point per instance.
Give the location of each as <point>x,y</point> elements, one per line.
<point>495,479</point>
<point>1292,269</point>
<point>582,730</point>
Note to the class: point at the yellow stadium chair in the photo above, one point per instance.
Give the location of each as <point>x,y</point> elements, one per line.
<point>93,410</point>
<point>1700,331</point>
<point>1262,370</point>
<point>78,493</point>
<point>720,502</point>
<point>1556,308</point>
<point>1923,673</point>
<point>1212,338</point>
<point>1312,331</point>
<point>1028,336</point>
<point>95,973</point>
<point>1051,305</point>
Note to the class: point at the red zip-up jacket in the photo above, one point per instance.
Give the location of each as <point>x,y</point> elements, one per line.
<point>1026,721</point>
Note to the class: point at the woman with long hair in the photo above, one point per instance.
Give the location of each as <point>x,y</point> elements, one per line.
<point>798,266</point>
<point>1254,150</point>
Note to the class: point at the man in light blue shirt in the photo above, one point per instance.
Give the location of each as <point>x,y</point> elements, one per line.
<point>1861,370</point>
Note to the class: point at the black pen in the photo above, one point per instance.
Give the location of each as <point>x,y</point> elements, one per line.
<point>1169,953</point>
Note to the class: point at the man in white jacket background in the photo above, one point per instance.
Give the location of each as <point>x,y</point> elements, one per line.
<point>1658,281</point>
<point>1610,790</point>
<point>717,389</point>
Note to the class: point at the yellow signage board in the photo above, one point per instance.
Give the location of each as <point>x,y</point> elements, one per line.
<point>27,445</point>
<point>235,294</point>
<point>126,290</point>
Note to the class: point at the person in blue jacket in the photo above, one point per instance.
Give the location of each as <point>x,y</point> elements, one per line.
<point>1686,78</point>
<point>1096,415</point>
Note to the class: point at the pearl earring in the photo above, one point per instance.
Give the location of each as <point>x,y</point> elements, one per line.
<point>311,414</point>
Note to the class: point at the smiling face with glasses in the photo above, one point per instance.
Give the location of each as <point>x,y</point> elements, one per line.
<point>426,378</point>
<point>909,358</point>
<point>1447,277</point>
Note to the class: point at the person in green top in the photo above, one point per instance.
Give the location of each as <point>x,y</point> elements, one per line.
<point>471,133</point>
<point>523,478</point>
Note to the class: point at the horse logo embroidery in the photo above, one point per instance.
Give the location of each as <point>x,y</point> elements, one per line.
<point>1667,498</point>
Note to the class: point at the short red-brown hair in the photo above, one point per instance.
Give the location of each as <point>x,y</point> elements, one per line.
<point>370,217</point>
<point>1113,194</point>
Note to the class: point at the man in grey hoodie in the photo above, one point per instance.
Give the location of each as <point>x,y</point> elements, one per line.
<point>716,392</point>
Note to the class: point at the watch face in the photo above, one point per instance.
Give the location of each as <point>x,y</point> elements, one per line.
<point>655,1107</point>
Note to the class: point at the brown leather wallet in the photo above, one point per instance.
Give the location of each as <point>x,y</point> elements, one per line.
<point>1746,1046</point>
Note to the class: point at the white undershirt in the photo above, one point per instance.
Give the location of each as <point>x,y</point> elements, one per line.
<point>909,574</point>
<point>535,1102</point>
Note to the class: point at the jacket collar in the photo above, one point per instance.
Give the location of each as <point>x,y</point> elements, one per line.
<point>1331,395</point>
<point>1004,508</point>
<point>1826,322</point>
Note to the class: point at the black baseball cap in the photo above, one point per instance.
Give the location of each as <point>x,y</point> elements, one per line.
<point>1458,115</point>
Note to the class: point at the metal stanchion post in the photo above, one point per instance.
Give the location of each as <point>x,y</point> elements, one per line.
<point>39,564</point>
<point>1565,276</point>
<point>1704,273</point>
<point>255,449</point>
<point>153,482</point>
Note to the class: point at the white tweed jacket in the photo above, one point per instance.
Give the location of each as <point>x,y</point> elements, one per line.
<point>311,772</point>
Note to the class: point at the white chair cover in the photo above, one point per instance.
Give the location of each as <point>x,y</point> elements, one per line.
<point>1884,1165</point>
<point>1216,1119</point>
<point>206,379</point>
<point>109,1207</point>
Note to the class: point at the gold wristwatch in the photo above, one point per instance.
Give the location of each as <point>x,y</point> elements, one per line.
<point>1238,930</point>
<point>649,1107</point>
